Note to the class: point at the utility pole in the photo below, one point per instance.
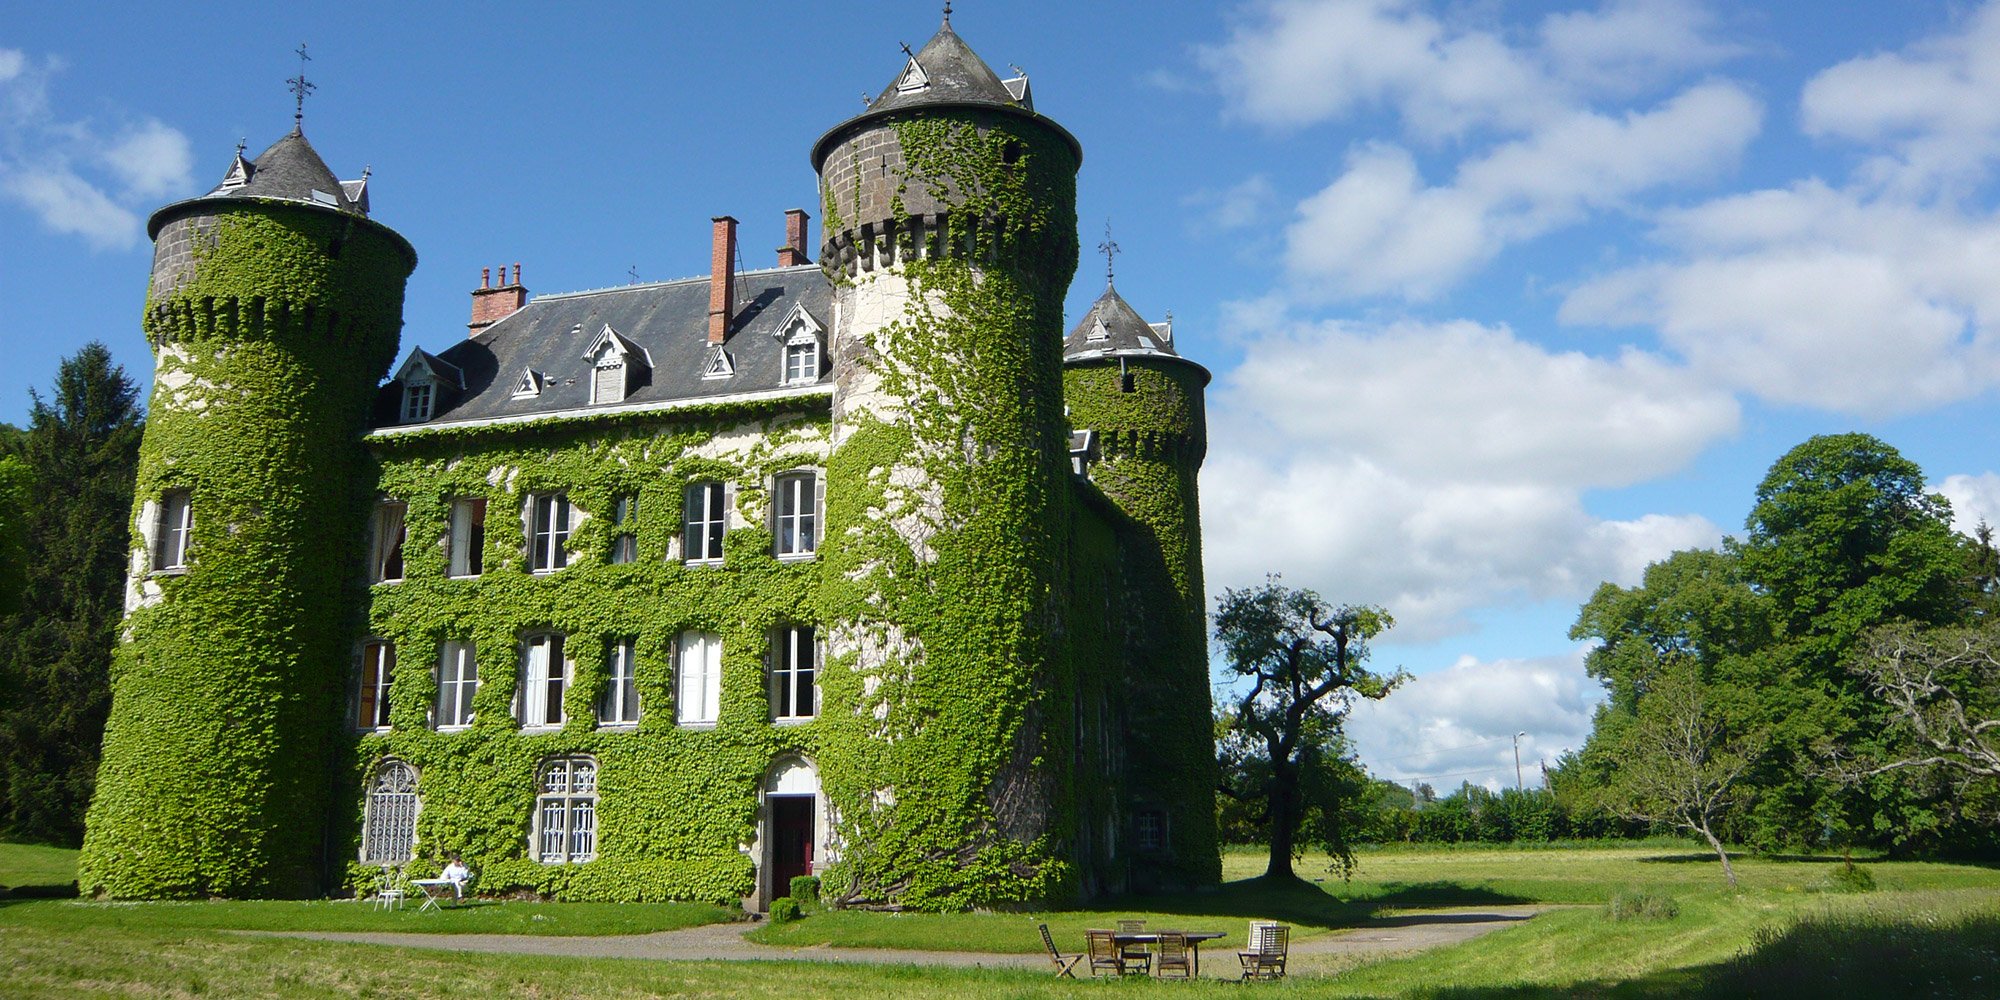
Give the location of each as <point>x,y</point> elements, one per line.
<point>1517,760</point>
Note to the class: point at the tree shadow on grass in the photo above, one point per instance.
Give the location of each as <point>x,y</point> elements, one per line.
<point>20,893</point>
<point>1303,903</point>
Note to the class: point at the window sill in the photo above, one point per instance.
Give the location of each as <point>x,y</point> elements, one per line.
<point>462,727</point>
<point>618,727</point>
<point>701,726</point>
<point>462,576</point>
<point>794,720</point>
<point>547,572</point>
<point>793,557</point>
<point>379,583</point>
<point>169,571</point>
<point>543,727</point>
<point>701,562</point>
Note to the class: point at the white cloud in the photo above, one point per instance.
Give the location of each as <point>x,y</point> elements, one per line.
<point>1625,46</point>
<point>1974,499</point>
<point>1935,107</point>
<point>1378,229</point>
<point>1238,206</point>
<point>1435,469</point>
<point>1457,724</point>
<point>72,175</point>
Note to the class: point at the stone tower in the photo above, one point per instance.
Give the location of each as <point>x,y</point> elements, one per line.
<point>1125,383</point>
<point>274,310</point>
<point>950,210</point>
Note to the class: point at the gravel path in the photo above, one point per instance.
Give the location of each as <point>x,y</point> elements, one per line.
<point>724,942</point>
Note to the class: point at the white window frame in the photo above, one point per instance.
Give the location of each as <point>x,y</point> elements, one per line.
<point>619,704</point>
<point>389,542</point>
<point>466,543</point>
<point>175,526</point>
<point>704,522</point>
<point>625,529</point>
<point>545,671</point>
<point>419,401</point>
<point>551,519</point>
<point>608,360</point>
<point>565,821</point>
<point>795,657</point>
<point>1149,830</point>
<point>458,681</point>
<point>790,491</point>
<point>802,346</point>
<point>389,814</point>
<point>697,679</point>
<point>377,676</point>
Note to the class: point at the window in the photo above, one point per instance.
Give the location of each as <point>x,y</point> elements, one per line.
<point>794,695</point>
<point>698,679</point>
<point>566,811</point>
<point>467,542</point>
<point>544,678</point>
<point>458,678</point>
<point>417,398</point>
<point>386,559</point>
<point>548,540</point>
<point>1149,830</point>
<point>802,361</point>
<point>797,514</point>
<point>170,545</point>
<point>706,518</point>
<point>389,826</point>
<point>378,668</point>
<point>625,525</point>
<point>607,382</point>
<point>619,705</point>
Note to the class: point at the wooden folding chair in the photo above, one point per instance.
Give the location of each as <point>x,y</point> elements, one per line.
<point>1266,957</point>
<point>1134,953</point>
<point>1171,952</point>
<point>1102,947</point>
<point>1065,964</point>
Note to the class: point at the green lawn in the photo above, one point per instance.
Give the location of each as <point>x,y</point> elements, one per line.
<point>35,866</point>
<point>1933,929</point>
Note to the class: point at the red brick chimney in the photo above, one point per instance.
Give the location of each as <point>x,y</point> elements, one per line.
<point>722,279</point>
<point>793,253</point>
<point>492,303</point>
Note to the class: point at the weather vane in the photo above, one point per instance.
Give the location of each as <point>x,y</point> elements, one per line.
<point>300,87</point>
<point>1109,248</point>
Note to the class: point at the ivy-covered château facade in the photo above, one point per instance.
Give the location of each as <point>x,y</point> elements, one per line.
<point>856,567</point>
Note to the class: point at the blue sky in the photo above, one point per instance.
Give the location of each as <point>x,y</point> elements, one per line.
<point>1502,299</point>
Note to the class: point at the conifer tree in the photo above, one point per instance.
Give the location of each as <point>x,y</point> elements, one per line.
<point>81,453</point>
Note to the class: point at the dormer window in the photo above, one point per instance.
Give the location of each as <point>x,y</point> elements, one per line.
<point>418,398</point>
<point>529,385</point>
<point>1097,332</point>
<point>719,363</point>
<point>616,366</point>
<point>802,361</point>
<point>914,78</point>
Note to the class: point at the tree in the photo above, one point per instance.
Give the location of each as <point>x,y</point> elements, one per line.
<point>1681,765</point>
<point>81,453</point>
<point>1942,689</point>
<point>1303,659</point>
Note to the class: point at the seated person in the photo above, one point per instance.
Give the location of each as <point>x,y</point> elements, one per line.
<point>456,872</point>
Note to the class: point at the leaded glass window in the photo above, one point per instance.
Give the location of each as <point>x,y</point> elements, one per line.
<point>389,829</point>
<point>566,811</point>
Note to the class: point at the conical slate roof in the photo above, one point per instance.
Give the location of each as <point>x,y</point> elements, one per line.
<point>288,171</point>
<point>1111,328</point>
<point>945,73</point>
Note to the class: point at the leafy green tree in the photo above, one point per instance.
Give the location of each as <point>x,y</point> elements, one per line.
<point>81,455</point>
<point>1683,766</point>
<point>15,490</point>
<point>1303,660</point>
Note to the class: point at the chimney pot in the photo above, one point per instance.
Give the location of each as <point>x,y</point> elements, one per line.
<point>517,272</point>
<point>493,302</point>
<point>722,279</point>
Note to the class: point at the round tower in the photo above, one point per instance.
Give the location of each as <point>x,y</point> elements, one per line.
<point>950,210</point>
<point>273,312</point>
<point>1138,406</point>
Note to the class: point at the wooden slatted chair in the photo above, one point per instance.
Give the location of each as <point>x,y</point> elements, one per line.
<point>1265,958</point>
<point>1102,947</point>
<point>1171,952</point>
<point>1065,964</point>
<point>1135,954</point>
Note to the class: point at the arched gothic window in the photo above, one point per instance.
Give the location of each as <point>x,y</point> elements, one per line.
<point>566,811</point>
<point>389,829</point>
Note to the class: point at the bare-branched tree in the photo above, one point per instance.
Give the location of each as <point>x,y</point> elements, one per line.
<point>1942,687</point>
<point>1680,764</point>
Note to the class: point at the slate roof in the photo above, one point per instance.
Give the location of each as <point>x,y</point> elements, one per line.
<point>667,321</point>
<point>1111,328</point>
<point>290,170</point>
<point>951,75</point>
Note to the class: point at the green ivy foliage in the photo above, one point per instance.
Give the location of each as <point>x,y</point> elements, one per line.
<point>217,761</point>
<point>675,805</point>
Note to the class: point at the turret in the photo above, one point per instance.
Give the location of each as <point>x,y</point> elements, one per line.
<point>950,212</point>
<point>1140,405</point>
<point>273,312</point>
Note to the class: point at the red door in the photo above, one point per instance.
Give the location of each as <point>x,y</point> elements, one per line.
<point>791,840</point>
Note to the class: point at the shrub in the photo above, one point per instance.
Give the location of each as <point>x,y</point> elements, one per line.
<point>1643,904</point>
<point>805,889</point>
<point>1847,877</point>
<point>784,910</point>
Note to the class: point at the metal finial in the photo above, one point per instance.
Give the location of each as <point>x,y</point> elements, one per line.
<point>240,143</point>
<point>300,87</point>
<point>906,49</point>
<point>1109,248</point>
<point>365,171</point>
<point>867,101</point>
<point>947,13</point>
<point>634,272</point>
